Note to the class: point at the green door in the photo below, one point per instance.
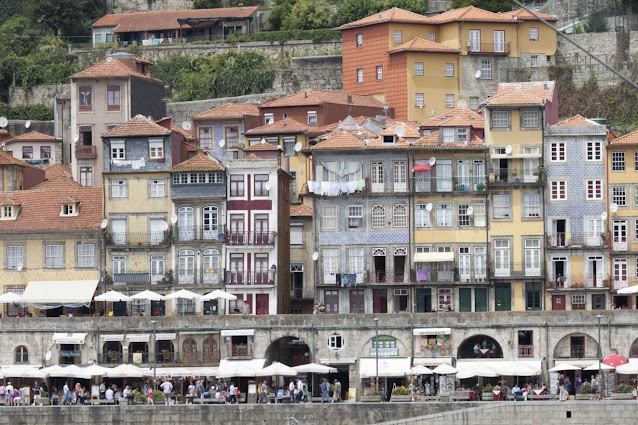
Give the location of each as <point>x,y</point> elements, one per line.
<point>423,300</point>
<point>158,308</point>
<point>480,299</point>
<point>465,299</point>
<point>503,296</point>
<point>533,296</point>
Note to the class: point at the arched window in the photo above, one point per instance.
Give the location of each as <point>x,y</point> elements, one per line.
<point>189,350</point>
<point>209,350</point>
<point>22,354</point>
<point>400,215</point>
<point>112,352</point>
<point>186,266</point>
<point>210,221</point>
<point>211,266</point>
<point>378,216</point>
<point>185,224</point>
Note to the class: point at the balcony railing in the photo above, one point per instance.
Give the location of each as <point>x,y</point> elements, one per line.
<point>137,239</point>
<point>624,244</point>
<point>432,275</point>
<point>197,233</point>
<point>189,277</point>
<point>240,350</point>
<point>390,276</point>
<point>516,270</point>
<point>575,239</point>
<point>250,238</point>
<point>248,277</point>
<point>345,279</point>
<point>449,184</point>
<point>85,152</point>
<point>577,281</point>
<point>488,48</point>
<point>525,351</point>
<point>515,176</point>
<point>620,283</point>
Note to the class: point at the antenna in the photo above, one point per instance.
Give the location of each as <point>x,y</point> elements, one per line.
<point>76,138</point>
<point>27,124</point>
<point>613,207</point>
<point>297,146</point>
<point>432,160</point>
<point>222,143</point>
<point>19,267</point>
<point>508,149</point>
<point>603,216</point>
<point>461,103</point>
<point>104,223</point>
<point>263,140</point>
<point>400,131</point>
<point>47,355</point>
<point>267,185</point>
<point>4,122</point>
<point>315,256</point>
<point>173,219</point>
<point>429,206</point>
<point>186,125</point>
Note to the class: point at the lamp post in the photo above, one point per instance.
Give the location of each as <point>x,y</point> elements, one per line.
<point>600,355</point>
<point>376,350</point>
<point>154,322</point>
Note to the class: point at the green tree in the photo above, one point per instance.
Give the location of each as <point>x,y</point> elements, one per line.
<point>491,5</point>
<point>279,13</point>
<point>631,4</point>
<point>416,6</point>
<point>308,15</point>
<point>9,8</point>
<point>66,17</point>
<point>596,23</point>
<point>207,4</point>
<point>353,10</point>
<point>18,37</point>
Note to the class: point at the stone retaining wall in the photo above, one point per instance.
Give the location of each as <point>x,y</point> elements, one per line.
<point>36,95</point>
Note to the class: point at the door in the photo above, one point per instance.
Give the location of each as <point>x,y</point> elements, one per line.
<point>530,166</point>
<point>594,272</point>
<point>444,175</point>
<point>158,308</point>
<point>503,169</point>
<point>464,264</point>
<point>594,229</point>
<point>186,231</point>
<point>236,236</point>
<point>379,268</point>
<point>480,299</point>
<point>380,301</point>
<point>186,267</point>
<point>377,176</point>
<point>502,297</point>
<point>478,174</point>
<point>423,179</point>
<point>475,41</point>
<point>620,235</point>
<point>465,299</point>
<point>463,175</point>
<point>331,300</point>
<point>118,231</point>
<point>558,302</point>
<point>357,304</point>
<point>499,41</point>
<point>210,266</point>
<point>532,257</point>
<point>400,176</point>
<point>261,269</point>
<point>157,233</point>
<point>399,268</point>
<point>236,269</point>
<point>210,228</point>
<point>261,229</point>
<point>423,300</point>
<point>502,258</point>
<point>559,231</point>
<point>263,304</point>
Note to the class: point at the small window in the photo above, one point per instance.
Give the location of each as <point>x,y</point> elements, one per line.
<point>118,150</point>
<point>335,342</point>
<point>296,234</point>
<point>594,152</point>
<point>205,138</point>
<point>449,101</point>
<point>400,215</point>
<point>289,146</point>
<point>8,213</point>
<point>85,100</point>
<point>53,257</point>
<point>558,190</point>
<point>359,40</point>
<point>432,36</point>
<point>449,70</point>
<point>379,72</point>
<point>618,161</point>
<point>45,152</point>
<point>69,210</point>
<point>533,33</point>
<point>557,152</point>
<point>312,117</point>
<point>398,36</point>
<point>14,256</point>
<point>474,102</point>
<point>27,152</point>
<point>533,61</point>
<point>236,185</point>
<point>594,189</point>
<point>619,196</point>
<point>486,69</point>
<point>156,149</point>
<point>448,135</point>
<point>418,100</point>
<point>500,119</point>
<point>502,206</point>
<point>157,188</point>
<point>118,188</point>
<point>86,255</point>
<point>21,355</point>
<point>530,119</point>
<point>110,37</point>
<point>360,75</point>
<point>378,216</point>
<point>421,216</point>
<point>329,217</point>
<point>269,118</point>
<point>355,216</point>
<point>461,135</point>
<point>418,68</point>
<point>261,181</point>
<point>463,216</point>
<point>113,98</point>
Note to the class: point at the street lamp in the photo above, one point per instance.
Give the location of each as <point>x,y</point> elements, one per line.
<point>376,350</point>
<point>154,322</point>
<point>600,356</point>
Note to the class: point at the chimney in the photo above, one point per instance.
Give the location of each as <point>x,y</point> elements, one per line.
<point>349,98</point>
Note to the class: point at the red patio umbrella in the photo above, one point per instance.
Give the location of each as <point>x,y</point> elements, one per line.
<point>615,360</point>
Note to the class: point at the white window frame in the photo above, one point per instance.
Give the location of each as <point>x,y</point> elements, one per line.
<point>593,189</point>
<point>269,118</point>
<point>530,118</point>
<point>533,61</point>
<point>533,34</point>
<point>558,190</point>
<point>15,256</point>
<point>157,188</point>
<point>156,149</point>
<point>422,217</point>
<point>474,102</point>
<point>356,260</point>
<point>400,215</point>
<point>486,69</point>
<point>118,149</point>
<point>463,217</point>
<point>500,119</point>
<point>480,219</point>
<point>449,100</point>
<point>336,342</point>
<point>359,75</point>
<point>85,255</point>
<point>558,152</point>
<point>330,217</point>
<point>119,188</point>
<point>618,162</point>
<point>398,36</point>
<point>418,69</point>
<point>448,134</point>
<point>619,195</point>
<point>419,100</point>
<point>359,40</point>
<point>594,151</point>
<point>312,117</point>
<point>355,216</point>
<point>502,208</point>
<point>53,256</point>
<point>379,72</point>
<point>449,70</point>
<point>461,135</point>
<point>378,217</point>
<point>432,36</point>
<point>205,137</point>
<point>532,205</point>
<point>444,215</point>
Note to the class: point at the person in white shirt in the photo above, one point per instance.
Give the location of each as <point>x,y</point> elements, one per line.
<point>300,390</point>
<point>167,388</point>
<point>291,389</point>
<point>66,398</point>
<point>109,393</point>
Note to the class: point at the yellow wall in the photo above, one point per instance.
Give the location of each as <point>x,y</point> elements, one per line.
<point>448,34</point>
<point>487,34</point>
<point>410,31</point>
<point>433,84</point>
<point>514,136</point>
<point>546,44</point>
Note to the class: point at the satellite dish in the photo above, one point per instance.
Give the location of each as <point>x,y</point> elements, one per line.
<point>297,146</point>
<point>461,103</point>
<point>267,185</point>
<point>222,143</point>
<point>279,147</point>
<point>19,267</point>
<point>27,124</point>
<point>432,160</point>
<point>429,206</point>
<point>4,122</point>
<point>173,219</point>
<point>603,216</point>
<point>315,256</point>
<point>47,355</point>
<point>76,138</point>
<point>400,131</point>
<point>478,74</point>
<point>613,207</point>
<point>104,223</point>
<point>164,226</point>
<point>263,141</point>
<point>186,125</point>
<point>470,210</point>
<point>508,149</point>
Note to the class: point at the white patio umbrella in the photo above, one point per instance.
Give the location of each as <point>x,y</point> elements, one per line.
<point>563,366</point>
<point>445,369</point>
<point>148,295</point>
<point>10,297</point>
<point>181,372</point>
<point>471,369</point>
<point>510,368</point>
<point>71,371</point>
<point>314,368</point>
<point>277,369</point>
<point>420,370</point>
<point>125,371</point>
<point>627,369</point>
<point>23,372</point>
<point>594,367</point>
<point>629,290</point>
<point>159,372</point>
<point>95,370</point>
<point>238,371</point>
<point>183,293</point>
<point>112,296</point>
<point>204,371</point>
<point>218,295</point>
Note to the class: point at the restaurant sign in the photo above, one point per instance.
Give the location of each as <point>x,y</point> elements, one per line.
<point>70,353</point>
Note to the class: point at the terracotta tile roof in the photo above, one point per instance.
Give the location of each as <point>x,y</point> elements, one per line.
<point>111,68</point>
<point>460,116</point>
<point>150,21</point>
<point>471,14</point>
<point>57,170</point>
<point>41,206</point>
<point>300,211</point>
<point>139,125</point>
<point>517,97</point>
<point>33,136</point>
<point>228,111</point>
<point>6,159</point>
<point>418,44</point>
<point>261,147</point>
<point>409,132</point>
<point>629,139</point>
<point>252,156</point>
<point>189,147</point>
<point>287,126</point>
<point>433,142</point>
<point>577,120</point>
<point>345,141</point>
<point>391,15</point>
<point>319,97</point>
<point>542,89</point>
<point>200,162</point>
<point>524,15</point>
<point>185,134</point>
<point>318,131</point>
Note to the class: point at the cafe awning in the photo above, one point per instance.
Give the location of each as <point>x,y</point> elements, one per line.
<point>432,361</point>
<point>491,368</point>
<point>69,338</point>
<point>433,257</point>
<point>239,368</point>
<point>51,294</point>
<point>138,337</point>
<point>388,367</point>
<point>238,332</point>
<point>112,338</point>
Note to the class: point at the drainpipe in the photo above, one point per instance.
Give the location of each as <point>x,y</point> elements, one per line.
<point>547,350</point>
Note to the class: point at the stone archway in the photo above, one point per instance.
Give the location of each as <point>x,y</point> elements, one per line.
<point>576,345</point>
<point>289,350</point>
<point>479,346</point>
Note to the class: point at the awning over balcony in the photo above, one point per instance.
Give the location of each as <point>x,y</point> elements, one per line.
<point>69,338</point>
<point>433,257</point>
<point>421,167</point>
<point>388,367</point>
<point>53,294</point>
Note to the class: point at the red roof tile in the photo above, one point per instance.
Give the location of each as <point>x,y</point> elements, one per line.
<point>261,147</point>
<point>471,14</point>
<point>57,170</point>
<point>524,15</point>
<point>185,134</point>
<point>542,89</point>
<point>6,159</point>
<point>408,132</point>
<point>313,97</point>
<point>577,120</point>
<point>200,162</point>
<point>517,97</point>
<point>287,126</point>
<point>139,125</point>
<point>461,116</point>
<point>300,211</point>
<point>111,68</point>
<point>418,44</point>
<point>433,142</point>
<point>228,111</point>
<point>33,136</point>
<point>629,139</point>
<point>167,20</point>
<point>252,156</point>
<point>391,15</point>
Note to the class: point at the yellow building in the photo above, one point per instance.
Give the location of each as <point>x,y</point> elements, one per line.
<point>138,210</point>
<point>50,239</point>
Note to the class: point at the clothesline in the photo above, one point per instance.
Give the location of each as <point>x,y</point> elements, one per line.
<point>335,188</point>
<point>136,165</point>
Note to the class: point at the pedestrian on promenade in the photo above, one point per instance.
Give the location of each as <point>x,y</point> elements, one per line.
<point>325,388</point>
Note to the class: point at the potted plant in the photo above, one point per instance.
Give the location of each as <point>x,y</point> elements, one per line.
<point>584,392</point>
<point>374,397</point>
<point>108,280</point>
<point>44,398</point>
<point>487,394</point>
<point>623,392</point>
<point>400,393</point>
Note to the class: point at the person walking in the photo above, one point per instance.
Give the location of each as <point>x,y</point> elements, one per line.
<point>292,389</point>
<point>325,389</point>
<point>562,396</point>
<point>66,397</point>
<point>167,389</point>
<point>336,395</point>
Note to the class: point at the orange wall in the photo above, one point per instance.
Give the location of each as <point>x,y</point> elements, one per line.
<point>368,57</point>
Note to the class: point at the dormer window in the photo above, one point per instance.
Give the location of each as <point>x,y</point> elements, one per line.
<point>70,209</point>
<point>156,149</point>
<point>461,135</point>
<point>269,118</point>
<point>388,140</point>
<point>312,117</point>
<point>118,149</point>
<point>448,135</point>
<point>9,212</point>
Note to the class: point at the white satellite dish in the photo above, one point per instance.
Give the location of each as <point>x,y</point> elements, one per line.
<point>164,226</point>
<point>297,146</point>
<point>613,207</point>
<point>461,103</point>
<point>603,216</point>
<point>315,256</point>
<point>478,74</point>
<point>76,138</point>
<point>19,267</point>
<point>173,219</point>
<point>279,147</point>
<point>47,356</point>
<point>428,206</point>
<point>267,185</point>
<point>222,143</point>
<point>4,122</point>
<point>400,131</point>
<point>508,149</point>
<point>27,124</point>
<point>263,140</point>
<point>470,210</point>
<point>186,125</point>
<point>104,223</point>
<point>432,160</point>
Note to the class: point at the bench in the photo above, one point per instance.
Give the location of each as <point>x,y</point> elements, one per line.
<point>543,397</point>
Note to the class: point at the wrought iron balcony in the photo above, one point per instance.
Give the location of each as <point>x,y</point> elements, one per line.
<point>133,239</point>
<point>488,49</point>
<point>197,233</point>
<point>501,270</point>
<point>449,184</point>
<point>432,275</point>
<point>250,277</point>
<point>577,281</point>
<point>250,238</point>
<point>85,152</point>
<point>515,176</point>
<point>575,239</point>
